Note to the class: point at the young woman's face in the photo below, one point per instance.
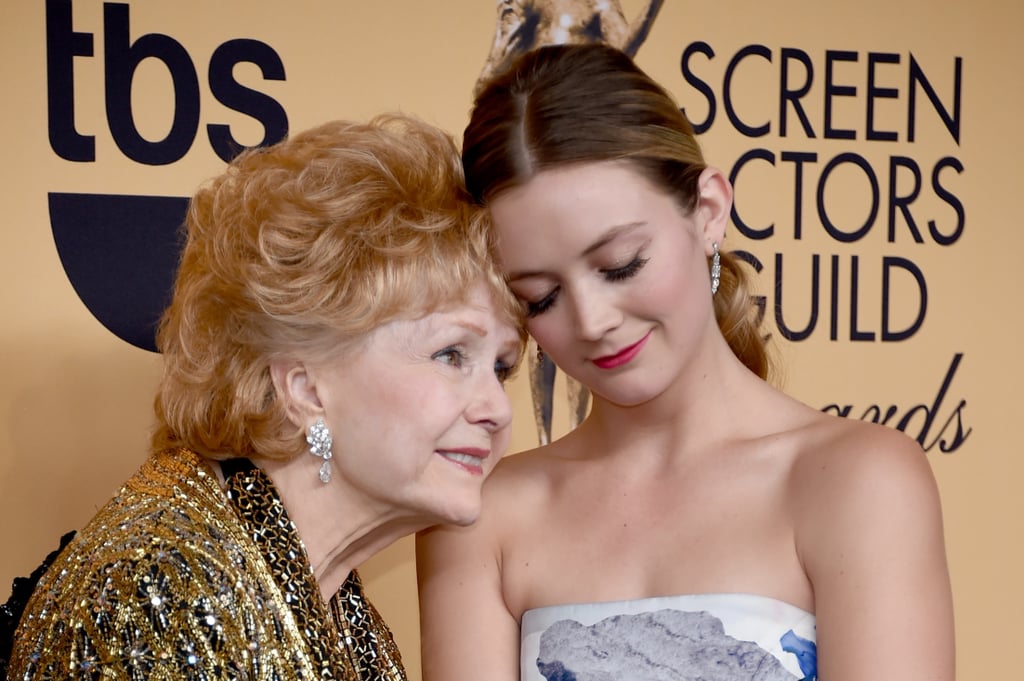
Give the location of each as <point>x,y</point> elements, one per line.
<point>419,413</point>
<point>613,272</point>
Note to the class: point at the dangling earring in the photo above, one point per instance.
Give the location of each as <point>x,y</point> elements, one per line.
<point>716,269</point>
<point>319,439</point>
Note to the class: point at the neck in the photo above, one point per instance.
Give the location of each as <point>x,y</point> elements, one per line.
<point>339,527</point>
<point>713,399</point>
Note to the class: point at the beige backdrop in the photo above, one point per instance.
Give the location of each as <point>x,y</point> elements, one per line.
<point>75,400</point>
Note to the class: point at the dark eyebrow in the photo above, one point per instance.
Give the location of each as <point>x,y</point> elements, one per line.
<point>610,235</point>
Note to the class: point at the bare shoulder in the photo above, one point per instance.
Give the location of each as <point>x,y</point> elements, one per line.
<point>854,482</point>
<point>525,479</point>
<point>519,469</point>
<point>868,533</point>
<point>840,459</point>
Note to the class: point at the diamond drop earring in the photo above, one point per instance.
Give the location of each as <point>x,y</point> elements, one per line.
<point>716,269</point>
<point>319,439</point>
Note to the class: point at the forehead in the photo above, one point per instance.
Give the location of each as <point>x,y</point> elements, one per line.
<point>476,307</point>
<point>589,179</point>
<point>571,205</point>
<point>603,185</point>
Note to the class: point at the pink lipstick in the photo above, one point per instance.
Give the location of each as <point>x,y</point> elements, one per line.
<point>623,356</point>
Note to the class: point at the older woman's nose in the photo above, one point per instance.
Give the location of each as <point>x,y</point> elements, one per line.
<point>490,405</point>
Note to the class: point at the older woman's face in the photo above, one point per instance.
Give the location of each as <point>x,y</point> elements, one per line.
<point>419,412</point>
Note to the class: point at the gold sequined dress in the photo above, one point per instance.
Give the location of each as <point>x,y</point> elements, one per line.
<point>177,578</point>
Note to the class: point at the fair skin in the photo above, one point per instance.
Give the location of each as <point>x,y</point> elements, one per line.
<point>419,417</point>
<point>690,475</point>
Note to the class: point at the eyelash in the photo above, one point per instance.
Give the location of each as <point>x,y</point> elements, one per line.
<point>541,306</point>
<point>628,271</point>
<point>454,352</point>
<point>502,370</point>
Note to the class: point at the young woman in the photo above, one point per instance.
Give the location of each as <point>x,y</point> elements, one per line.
<point>699,524</point>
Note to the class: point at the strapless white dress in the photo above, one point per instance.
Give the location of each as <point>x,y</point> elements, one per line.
<point>705,637</point>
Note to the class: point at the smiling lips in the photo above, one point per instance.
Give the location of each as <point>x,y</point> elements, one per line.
<point>623,356</point>
<point>470,459</point>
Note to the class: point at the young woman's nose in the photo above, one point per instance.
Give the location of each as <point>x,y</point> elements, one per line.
<point>594,314</point>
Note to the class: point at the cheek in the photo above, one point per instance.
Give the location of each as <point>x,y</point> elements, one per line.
<point>684,276</point>
<point>407,406</point>
<point>547,330</point>
<point>438,404</point>
<point>671,291</point>
<point>681,298</point>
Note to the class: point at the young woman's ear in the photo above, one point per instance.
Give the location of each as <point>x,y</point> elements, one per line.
<point>714,206</point>
<point>296,389</point>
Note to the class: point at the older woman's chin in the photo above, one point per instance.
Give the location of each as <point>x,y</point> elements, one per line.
<point>463,515</point>
<point>452,493</point>
<point>458,509</point>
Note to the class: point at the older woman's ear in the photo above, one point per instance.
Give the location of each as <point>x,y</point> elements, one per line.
<point>296,389</point>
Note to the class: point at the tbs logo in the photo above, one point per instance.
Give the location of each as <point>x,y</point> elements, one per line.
<point>119,251</point>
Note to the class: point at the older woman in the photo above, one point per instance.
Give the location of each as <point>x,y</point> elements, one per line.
<point>334,358</point>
